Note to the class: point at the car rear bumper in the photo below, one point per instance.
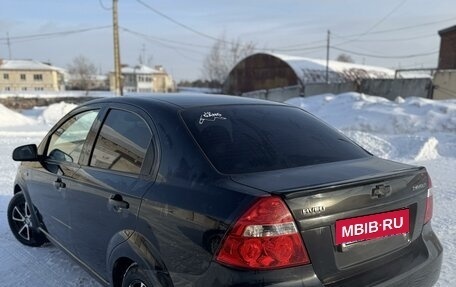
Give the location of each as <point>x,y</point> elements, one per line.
<point>419,266</point>
<point>427,273</point>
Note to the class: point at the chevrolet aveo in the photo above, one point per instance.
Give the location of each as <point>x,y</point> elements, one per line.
<point>202,190</point>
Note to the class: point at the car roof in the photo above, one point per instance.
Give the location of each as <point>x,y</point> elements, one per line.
<point>184,100</point>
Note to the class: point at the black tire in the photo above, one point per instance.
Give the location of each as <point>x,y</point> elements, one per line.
<point>20,224</point>
<point>136,277</point>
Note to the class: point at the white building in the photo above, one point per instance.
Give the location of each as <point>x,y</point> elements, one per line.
<point>144,79</point>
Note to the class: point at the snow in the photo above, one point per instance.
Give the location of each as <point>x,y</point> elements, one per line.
<point>141,69</point>
<point>9,118</point>
<point>63,94</point>
<point>314,70</point>
<point>26,65</point>
<point>413,130</point>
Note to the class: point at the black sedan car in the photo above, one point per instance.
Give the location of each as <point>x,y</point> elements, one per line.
<point>205,190</point>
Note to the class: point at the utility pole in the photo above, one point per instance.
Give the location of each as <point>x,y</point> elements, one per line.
<point>327,56</point>
<point>117,76</point>
<point>9,44</point>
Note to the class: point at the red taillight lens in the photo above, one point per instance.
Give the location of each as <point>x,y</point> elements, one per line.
<point>429,202</point>
<point>264,237</point>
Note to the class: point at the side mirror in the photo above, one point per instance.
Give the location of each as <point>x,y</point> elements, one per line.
<point>26,153</point>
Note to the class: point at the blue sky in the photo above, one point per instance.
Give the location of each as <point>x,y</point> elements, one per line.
<point>286,26</point>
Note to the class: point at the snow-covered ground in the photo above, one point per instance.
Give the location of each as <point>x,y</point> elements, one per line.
<point>416,131</point>
<point>62,94</point>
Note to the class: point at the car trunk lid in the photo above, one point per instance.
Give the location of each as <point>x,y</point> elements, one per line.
<point>319,196</point>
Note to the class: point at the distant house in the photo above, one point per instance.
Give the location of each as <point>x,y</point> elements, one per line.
<point>144,79</point>
<point>447,55</point>
<point>445,77</point>
<point>30,76</point>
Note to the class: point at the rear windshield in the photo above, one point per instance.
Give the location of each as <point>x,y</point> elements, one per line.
<point>253,138</point>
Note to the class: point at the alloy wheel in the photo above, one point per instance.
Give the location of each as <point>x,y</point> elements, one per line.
<point>21,216</point>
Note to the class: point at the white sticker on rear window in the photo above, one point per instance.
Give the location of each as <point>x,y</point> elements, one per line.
<point>209,116</point>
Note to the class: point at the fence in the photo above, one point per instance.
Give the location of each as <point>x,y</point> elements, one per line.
<point>387,88</point>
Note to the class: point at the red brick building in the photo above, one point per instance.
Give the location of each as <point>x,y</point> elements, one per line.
<point>447,57</point>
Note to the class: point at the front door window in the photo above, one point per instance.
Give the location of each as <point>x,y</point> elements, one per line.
<point>67,141</point>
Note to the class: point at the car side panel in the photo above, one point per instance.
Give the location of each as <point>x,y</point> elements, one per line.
<point>139,249</point>
<point>94,220</point>
<point>51,201</point>
<point>186,213</point>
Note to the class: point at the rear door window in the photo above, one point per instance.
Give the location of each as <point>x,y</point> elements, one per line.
<point>252,138</point>
<point>122,142</point>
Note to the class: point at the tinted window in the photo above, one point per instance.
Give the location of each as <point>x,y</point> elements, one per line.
<point>67,141</point>
<point>122,142</point>
<point>252,138</point>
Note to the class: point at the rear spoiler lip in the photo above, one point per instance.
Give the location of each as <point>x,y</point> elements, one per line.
<point>331,186</point>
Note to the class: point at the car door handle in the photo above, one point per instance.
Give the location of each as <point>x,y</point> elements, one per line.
<point>59,184</point>
<point>117,202</point>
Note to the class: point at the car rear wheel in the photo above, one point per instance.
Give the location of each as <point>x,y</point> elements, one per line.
<point>136,277</point>
<point>20,222</point>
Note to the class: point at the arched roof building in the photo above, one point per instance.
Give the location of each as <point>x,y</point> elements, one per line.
<point>264,71</point>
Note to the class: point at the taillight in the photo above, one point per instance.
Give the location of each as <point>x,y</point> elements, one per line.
<point>429,202</point>
<point>264,237</point>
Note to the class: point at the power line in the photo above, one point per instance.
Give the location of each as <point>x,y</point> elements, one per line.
<point>385,57</point>
<point>370,29</point>
<point>103,6</point>
<point>53,34</point>
<point>295,49</point>
<point>389,40</point>
<point>179,23</point>
<point>410,27</point>
<point>384,18</point>
<point>184,45</point>
<point>177,49</point>
<point>154,38</point>
<point>297,46</point>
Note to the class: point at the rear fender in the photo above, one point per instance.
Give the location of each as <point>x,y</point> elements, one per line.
<point>142,252</point>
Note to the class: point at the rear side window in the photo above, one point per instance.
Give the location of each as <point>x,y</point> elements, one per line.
<point>254,138</point>
<point>122,142</point>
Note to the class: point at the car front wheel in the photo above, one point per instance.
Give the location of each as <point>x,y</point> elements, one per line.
<point>20,222</point>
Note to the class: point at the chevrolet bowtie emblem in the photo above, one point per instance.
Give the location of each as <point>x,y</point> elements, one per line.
<point>381,191</point>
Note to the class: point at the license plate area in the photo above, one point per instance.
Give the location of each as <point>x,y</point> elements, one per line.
<point>363,228</point>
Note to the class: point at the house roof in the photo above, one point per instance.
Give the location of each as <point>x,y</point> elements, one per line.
<point>27,65</point>
<point>314,70</point>
<point>141,69</point>
<point>447,30</point>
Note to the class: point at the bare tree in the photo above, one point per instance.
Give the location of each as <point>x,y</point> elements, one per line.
<point>224,55</point>
<point>345,58</point>
<point>83,73</point>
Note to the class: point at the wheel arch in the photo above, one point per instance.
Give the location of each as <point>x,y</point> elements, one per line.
<point>137,250</point>
<point>20,186</point>
<point>17,188</point>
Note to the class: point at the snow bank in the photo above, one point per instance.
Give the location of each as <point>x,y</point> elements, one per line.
<point>354,111</point>
<point>55,112</point>
<point>49,115</point>
<point>9,118</point>
<point>409,129</point>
